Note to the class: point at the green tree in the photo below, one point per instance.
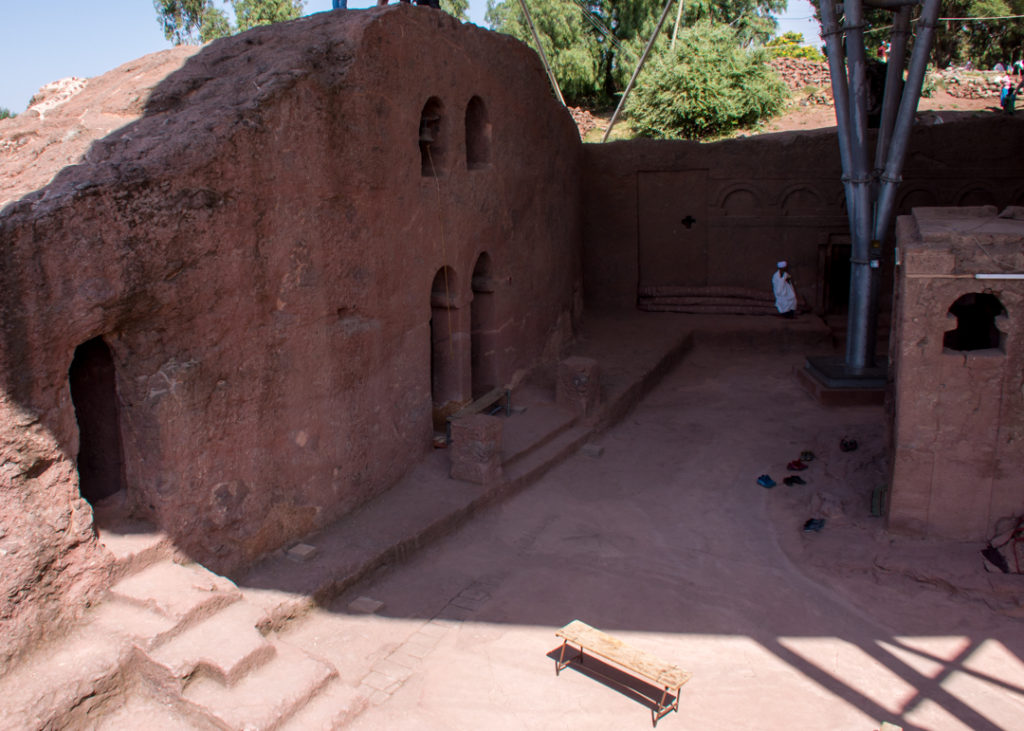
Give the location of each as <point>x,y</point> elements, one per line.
<point>6,113</point>
<point>182,20</point>
<point>250,13</point>
<point>709,84</point>
<point>791,45</point>
<point>593,45</point>
<point>458,8</point>
<point>200,21</point>
<point>983,42</point>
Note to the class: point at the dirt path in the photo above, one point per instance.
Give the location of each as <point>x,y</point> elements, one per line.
<point>666,541</point>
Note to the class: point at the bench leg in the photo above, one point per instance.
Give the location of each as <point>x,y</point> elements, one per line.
<point>664,710</point>
<point>561,663</point>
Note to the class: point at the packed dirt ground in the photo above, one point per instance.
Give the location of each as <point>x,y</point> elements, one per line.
<point>667,541</point>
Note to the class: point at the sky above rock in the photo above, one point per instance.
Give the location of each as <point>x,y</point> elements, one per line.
<point>47,40</point>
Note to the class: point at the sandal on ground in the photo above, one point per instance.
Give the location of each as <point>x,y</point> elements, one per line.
<point>796,466</point>
<point>765,481</point>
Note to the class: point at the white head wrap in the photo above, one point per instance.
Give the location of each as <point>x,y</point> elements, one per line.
<point>781,265</point>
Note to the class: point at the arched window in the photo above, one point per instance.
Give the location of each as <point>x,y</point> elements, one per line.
<point>975,314</point>
<point>478,135</point>
<point>432,147</point>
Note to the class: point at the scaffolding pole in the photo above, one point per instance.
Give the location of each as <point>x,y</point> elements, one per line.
<point>540,52</point>
<point>639,67</point>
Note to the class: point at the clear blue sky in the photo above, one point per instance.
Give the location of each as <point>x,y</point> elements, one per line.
<point>45,40</point>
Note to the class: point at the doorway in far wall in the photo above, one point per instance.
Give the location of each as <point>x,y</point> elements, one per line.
<point>93,383</point>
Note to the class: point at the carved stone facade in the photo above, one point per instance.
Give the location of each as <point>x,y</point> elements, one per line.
<point>958,373</point>
<point>304,245</point>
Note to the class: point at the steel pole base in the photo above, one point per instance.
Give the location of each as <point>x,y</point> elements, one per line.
<point>832,382</point>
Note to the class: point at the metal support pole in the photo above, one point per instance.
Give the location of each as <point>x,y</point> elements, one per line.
<point>540,52</point>
<point>831,33</point>
<point>639,67</point>
<point>860,338</point>
<point>891,176</point>
<point>893,83</point>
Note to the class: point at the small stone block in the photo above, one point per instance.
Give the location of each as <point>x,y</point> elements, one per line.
<point>365,605</point>
<point>578,386</point>
<point>476,449</point>
<point>886,726</point>
<point>592,450</point>
<point>301,552</point>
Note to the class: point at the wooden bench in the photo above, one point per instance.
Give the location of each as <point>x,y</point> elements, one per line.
<point>484,403</point>
<point>670,678</point>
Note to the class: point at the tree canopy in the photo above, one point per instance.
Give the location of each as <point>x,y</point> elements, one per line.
<point>200,21</point>
<point>708,85</point>
<point>982,42</point>
<point>593,45</point>
<point>791,45</point>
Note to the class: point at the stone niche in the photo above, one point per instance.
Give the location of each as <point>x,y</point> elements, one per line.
<point>251,275</point>
<point>958,368</point>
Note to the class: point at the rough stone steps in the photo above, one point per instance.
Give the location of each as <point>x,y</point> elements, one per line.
<point>265,696</point>
<point>332,708</point>
<point>135,545</point>
<point>183,594</point>
<point>61,682</point>
<point>224,646</point>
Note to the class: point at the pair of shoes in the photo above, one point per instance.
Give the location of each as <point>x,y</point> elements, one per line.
<point>765,481</point>
<point>807,456</point>
<point>847,445</point>
<point>796,466</point>
<point>814,525</point>
<point>794,480</point>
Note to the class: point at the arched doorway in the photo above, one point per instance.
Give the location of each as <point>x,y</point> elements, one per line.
<point>445,371</point>
<point>94,394</point>
<point>483,345</point>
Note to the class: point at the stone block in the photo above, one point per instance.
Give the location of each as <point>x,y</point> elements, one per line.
<point>579,385</point>
<point>365,605</point>
<point>475,450</point>
<point>301,552</point>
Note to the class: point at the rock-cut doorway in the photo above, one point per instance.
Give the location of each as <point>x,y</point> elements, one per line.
<point>94,394</point>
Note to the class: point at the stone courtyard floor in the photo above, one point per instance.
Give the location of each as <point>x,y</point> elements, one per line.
<point>435,606</point>
<point>665,540</point>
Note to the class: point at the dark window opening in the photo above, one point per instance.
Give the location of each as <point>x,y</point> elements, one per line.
<point>94,395</point>
<point>431,142</point>
<point>976,329</point>
<point>478,135</point>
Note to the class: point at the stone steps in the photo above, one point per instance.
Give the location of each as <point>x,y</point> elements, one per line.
<point>265,696</point>
<point>182,594</point>
<point>332,708</point>
<point>224,646</point>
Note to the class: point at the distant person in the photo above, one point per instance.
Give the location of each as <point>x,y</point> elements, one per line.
<point>339,4</point>
<point>1008,95</point>
<point>782,288</point>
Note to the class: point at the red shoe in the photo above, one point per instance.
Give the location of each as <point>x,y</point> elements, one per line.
<point>796,466</point>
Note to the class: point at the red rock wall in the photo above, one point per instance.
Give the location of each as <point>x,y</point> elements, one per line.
<point>958,415</point>
<point>258,252</point>
<point>758,200</point>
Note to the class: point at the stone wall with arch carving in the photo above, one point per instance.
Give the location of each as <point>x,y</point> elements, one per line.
<point>772,197</point>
